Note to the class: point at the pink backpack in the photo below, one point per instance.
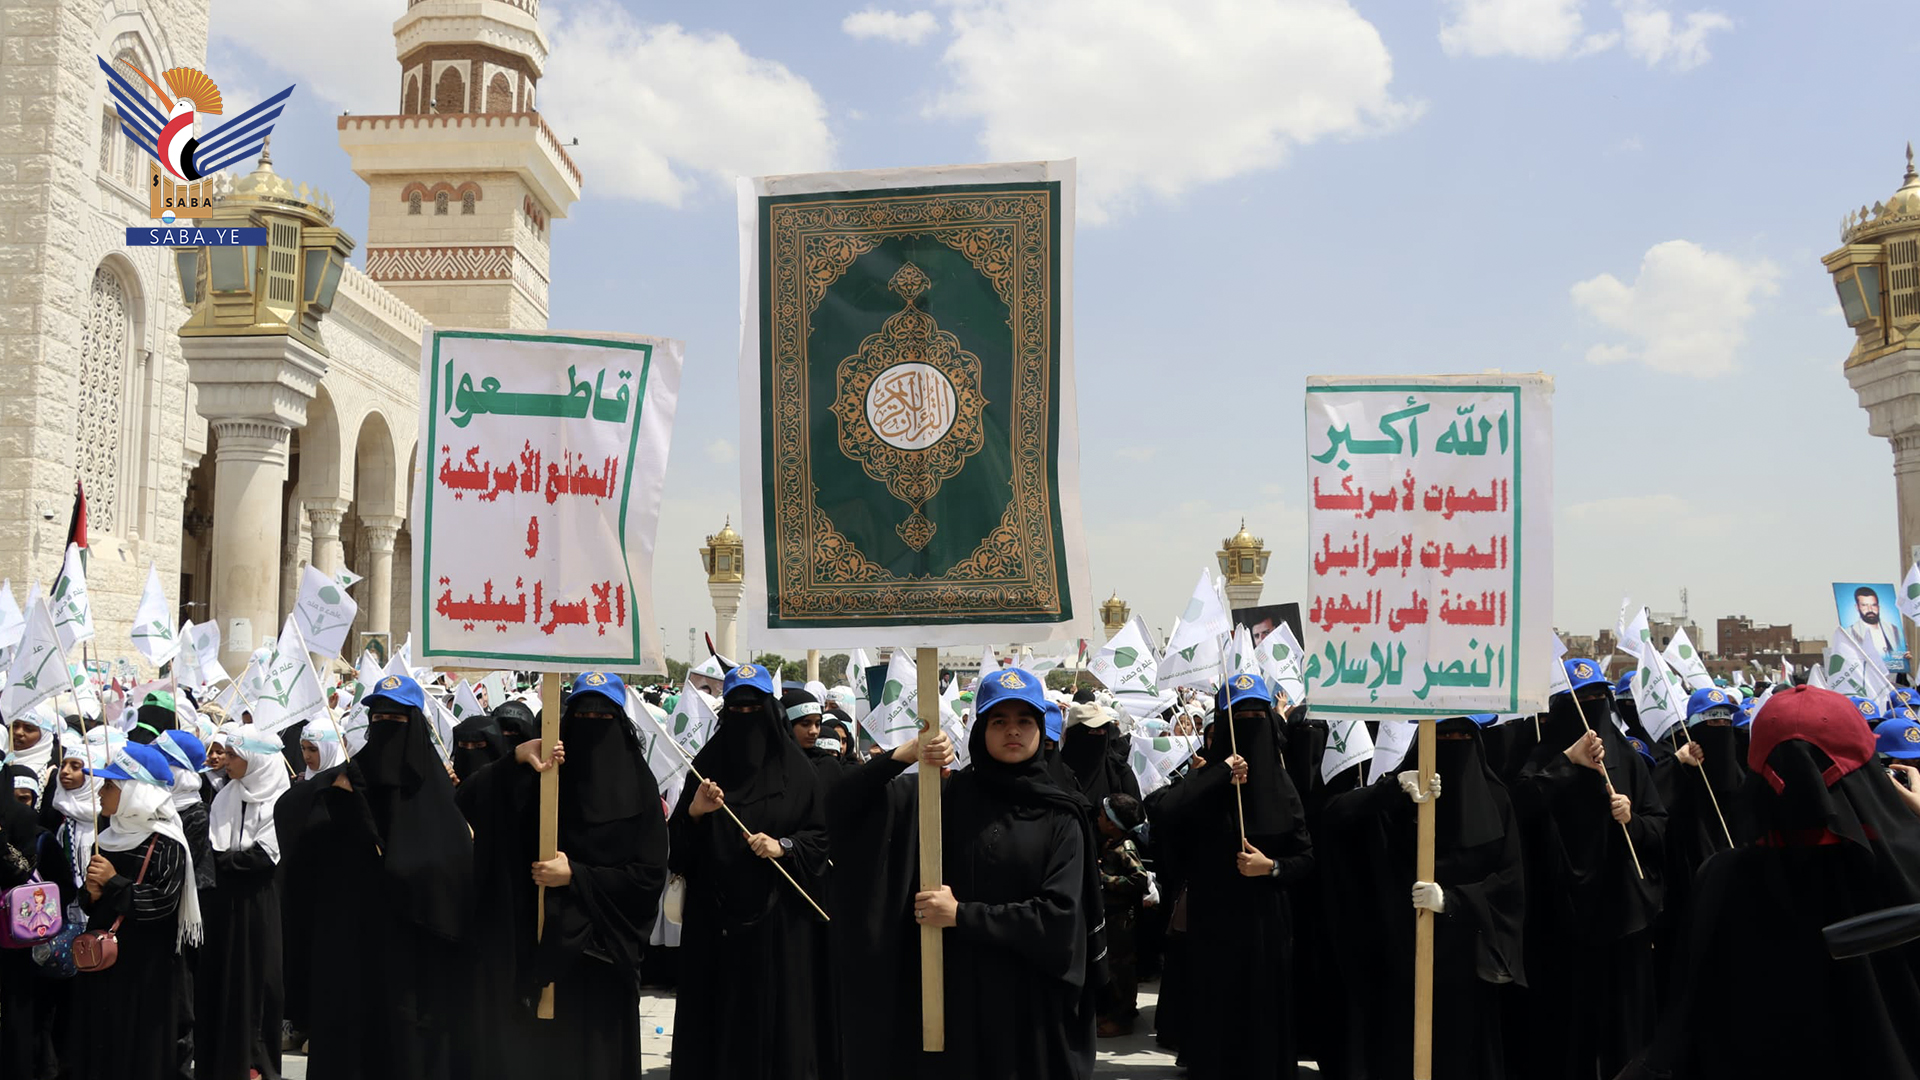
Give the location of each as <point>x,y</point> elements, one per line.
<point>34,913</point>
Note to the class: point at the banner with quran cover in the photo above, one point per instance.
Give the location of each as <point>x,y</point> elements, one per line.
<point>910,451</point>
<point>1430,544</point>
<point>536,498</point>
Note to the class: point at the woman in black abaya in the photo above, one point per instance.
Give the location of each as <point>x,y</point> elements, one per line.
<point>602,888</point>
<point>1236,1019</point>
<point>125,1020</point>
<point>238,983</point>
<point>1478,897</point>
<point>379,868</point>
<point>1025,955</point>
<point>745,1009</point>
<point>477,743</point>
<point>1096,754</point>
<point>1590,913</point>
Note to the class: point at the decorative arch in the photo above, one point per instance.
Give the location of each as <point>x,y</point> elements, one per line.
<point>499,93</point>
<point>450,91</point>
<point>378,476</point>
<point>325,471</point>
<point>112,392</point>
<point>412,106</point>
<point>415,190</point>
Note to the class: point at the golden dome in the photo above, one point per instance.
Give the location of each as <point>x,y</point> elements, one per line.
<point>264,187</point>
<point>1242,540</point>
<point>1900,211</point>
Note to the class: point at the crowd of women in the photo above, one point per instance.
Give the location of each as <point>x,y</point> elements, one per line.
<point>1604,903</point>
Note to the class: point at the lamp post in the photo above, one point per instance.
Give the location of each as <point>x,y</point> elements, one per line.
<point>1243,562</point>
<point>254,352</point>
<point>725,560</point>
<point>1113,615</point>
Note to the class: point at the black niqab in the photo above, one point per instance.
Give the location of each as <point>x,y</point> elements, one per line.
<point>480,729</point>
<point>426,847</point>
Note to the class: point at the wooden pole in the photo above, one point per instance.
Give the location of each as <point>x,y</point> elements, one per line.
<point>813,665</point>
<point>549,813</point>
<point>933,983</point>
<point>1423,919</point>
<point>1582,709</point>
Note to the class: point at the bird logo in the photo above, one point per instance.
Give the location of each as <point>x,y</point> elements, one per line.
<point>168,136</point>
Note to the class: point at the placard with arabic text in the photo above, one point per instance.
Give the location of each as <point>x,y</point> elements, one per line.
<point>537,496</point>
<point>1430,544</point>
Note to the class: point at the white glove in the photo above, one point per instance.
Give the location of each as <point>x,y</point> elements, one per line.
<point>1410,783</point>
<point>1428,897</point>
<point>1152,898</point>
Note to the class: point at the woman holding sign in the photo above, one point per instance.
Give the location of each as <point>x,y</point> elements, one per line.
<point>1022,900</point>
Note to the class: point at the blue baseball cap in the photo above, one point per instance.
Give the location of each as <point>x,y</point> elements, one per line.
<point>1056,722</point>
<point>398,689</point>
<point>752,676</point>
<point>1903,695</point>
<point>1868,710</point>
<point>1585,673</point>
<point>1898,738</point>
<point>1484,719</point>
<point>1640,747</point>
<point>183,748</point>
<point>1623,687</point>
<point>1710,697</point>
<point>1748,709</point>
<point>1011,684</point>
<point>138,761</point>
<point>1243,687</point>
<point>604,683</point>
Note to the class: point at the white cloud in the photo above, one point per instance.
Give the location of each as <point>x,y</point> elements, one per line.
<point>1137,452</point>
<point>1685,314</point>
<point>912,28</point>
<point>722,452</point>
<point>1653,36</point>
<point>1155,98</point>
<point>345,54</point>
<point>1557,30</point>
<point>1529,29</point>
<point>659,110</point>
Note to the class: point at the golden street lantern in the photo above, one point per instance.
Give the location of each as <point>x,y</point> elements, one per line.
<point>1113,614</point>
<point>725,555</point>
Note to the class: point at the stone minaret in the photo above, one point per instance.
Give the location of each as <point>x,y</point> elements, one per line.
<point>466,179</point>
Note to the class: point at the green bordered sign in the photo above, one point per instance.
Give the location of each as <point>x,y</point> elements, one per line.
<point>1430,545</point>
<point>537,496</point>
<point>913,455</point>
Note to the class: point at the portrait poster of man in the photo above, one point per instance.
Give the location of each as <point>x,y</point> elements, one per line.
<point>1261,620</point>
<point>1867,611</point>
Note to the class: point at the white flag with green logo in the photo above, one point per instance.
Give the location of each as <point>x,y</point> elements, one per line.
<point>1685,660</point>
<point>1635,637</point>
<point>1559,682</point>
<point>651,726</point>
<point>897,718</point>
<point>693,720</point>
<point>463,703</point>
<point>324,611</point>
<point>286,689</point>
<point>1348,744</point>
<point>1846,666</point>
<point>1660,694</point>
<point>39,668</point>
<point>87,696</point>
<point>13,624</point>
<point>347,578</point>
<point>1280,659</point>
<point>153,631</point>
<point>1127,667</point>
<point>72,611</point>
<point>199,665</point>
<point>1390,749</point>
<point>1160,756</point>
<point>1193,653</point>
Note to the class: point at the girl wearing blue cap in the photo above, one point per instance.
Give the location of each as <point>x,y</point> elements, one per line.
<point>603,890</point>
<point>140,884</point>
<point>748,949</point>
<point>1237,1019</point>
<point>378,867</point>
<point>1021,904</point>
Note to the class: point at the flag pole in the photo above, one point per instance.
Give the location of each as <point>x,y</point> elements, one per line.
<point>1582,710</point>
<point>933,986</point>
<point>744,831</point>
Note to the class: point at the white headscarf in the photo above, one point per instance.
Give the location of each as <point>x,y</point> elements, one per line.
<point>326,740</point>
<point>242,814</point>
<point>82,804</point>
<point>146,809</point>
<point>39,756</point>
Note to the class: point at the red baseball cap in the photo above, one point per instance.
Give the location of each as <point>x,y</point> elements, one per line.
<point>1819,717</point>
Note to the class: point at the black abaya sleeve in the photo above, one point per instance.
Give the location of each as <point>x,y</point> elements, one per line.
<point>1046,930</point>
<point>1195,796</point>
<point>607,910</point>
<point>1486,914</point>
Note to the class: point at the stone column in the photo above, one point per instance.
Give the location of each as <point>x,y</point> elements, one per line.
<point>325,516</point>
<point>813,665</point>
<point>250,468</point>
<point>381,532</point>
<point>726,609</point>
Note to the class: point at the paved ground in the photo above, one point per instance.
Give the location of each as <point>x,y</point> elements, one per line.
<point>1131,1058</point>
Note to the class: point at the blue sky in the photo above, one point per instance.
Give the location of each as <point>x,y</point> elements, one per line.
<point>1631,196</point>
